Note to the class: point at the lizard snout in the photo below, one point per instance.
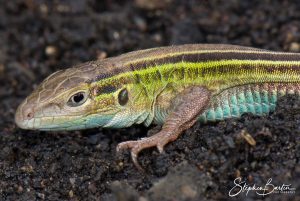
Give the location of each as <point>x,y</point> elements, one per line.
<point>23,115</point>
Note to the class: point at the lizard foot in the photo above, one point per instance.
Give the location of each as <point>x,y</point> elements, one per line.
<point>186,107</point>
<point>159,140</point>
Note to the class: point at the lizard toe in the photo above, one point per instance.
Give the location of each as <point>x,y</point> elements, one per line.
<point>125,145</point>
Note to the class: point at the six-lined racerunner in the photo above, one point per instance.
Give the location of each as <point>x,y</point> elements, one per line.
<point>172,86</point>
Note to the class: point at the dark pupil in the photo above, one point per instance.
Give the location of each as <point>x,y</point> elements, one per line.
<point>78,97</point>
<point>123,97</point>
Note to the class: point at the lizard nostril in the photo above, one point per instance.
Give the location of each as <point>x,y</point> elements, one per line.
<point>23,115</point>
<point>29,115</point>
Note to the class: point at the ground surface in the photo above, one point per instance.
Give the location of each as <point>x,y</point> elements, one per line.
<point>39,37</point>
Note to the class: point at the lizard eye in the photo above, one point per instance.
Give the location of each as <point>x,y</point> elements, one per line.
<point>123,97</point>
<point>77,99</point>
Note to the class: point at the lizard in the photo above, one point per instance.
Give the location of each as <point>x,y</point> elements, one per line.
<point>172,86</point>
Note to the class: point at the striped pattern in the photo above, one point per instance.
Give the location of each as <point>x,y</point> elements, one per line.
<point>196,62</point>
<point>228,71</point>
<point>156,77</point>
<point>216,75</point>
<point>157,57</point>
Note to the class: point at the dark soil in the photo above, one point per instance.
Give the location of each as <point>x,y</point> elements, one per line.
<point>40,37</point>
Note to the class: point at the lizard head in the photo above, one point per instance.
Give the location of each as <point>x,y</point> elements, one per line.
<point>70,100</point>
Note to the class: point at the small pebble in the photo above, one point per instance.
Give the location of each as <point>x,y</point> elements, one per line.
<point>27,169</point>
<point>101,55</point>
<point>71,194</point>
<point>116,35</point>
<point>92,187</point>
<point>152,4</point>
<point>63,8</point>
<point>72,181</point>
<point>141,24</point>
<point>41,195</point>
<point>43,184</point>
<point>237,173</point>
<point>294,47</point>
<point>51,50</point>
<point>157,37</point>
<point>44,8</point>
<point>20,189</point>
<point>248,137</point>
<point>229,141</point>
<point>188,191</point>
<point>250,178</point>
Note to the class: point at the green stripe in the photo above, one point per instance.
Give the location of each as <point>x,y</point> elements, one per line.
<point>210,73</point>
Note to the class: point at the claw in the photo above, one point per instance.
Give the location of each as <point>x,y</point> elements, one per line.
<point>160,148</point>
<point>135,147</point>
<point>188,105</point>
<point>134,154</point>
<point>138,145</point>
<point>159,140</point>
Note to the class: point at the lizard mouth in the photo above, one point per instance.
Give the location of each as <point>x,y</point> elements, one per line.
<point>60,123</point>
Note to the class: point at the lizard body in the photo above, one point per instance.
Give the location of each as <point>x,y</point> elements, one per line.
<point>173,86</point>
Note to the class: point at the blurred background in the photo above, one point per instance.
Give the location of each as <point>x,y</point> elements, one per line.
<point>38,37</point>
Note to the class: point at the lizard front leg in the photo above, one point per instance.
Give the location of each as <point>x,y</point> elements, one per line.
<point>186,107</point>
